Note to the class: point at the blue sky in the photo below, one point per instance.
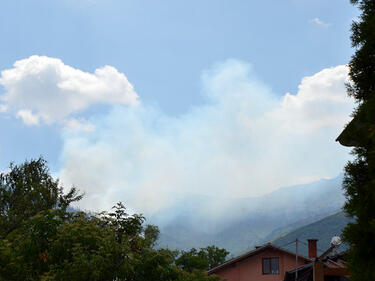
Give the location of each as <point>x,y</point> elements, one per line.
<point>177,55</point>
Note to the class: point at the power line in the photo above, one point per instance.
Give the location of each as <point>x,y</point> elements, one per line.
<point>294,241</point>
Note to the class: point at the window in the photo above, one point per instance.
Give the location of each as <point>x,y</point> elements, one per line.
<point>271,266</point>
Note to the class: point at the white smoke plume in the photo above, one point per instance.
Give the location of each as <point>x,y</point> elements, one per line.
<point>246,141</point>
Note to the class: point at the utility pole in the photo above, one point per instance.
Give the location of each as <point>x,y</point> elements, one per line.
<point>296,259</point>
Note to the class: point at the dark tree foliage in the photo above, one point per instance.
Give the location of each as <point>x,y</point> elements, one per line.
<point>359,179</point>
<point>362,65</point>
<point>151,234</point>
<point>204,259</point>
<point>28,189</point>
<point>41,240</point>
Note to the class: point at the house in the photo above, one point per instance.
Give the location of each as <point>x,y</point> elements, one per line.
<point>268,263</point>
<point>330,266</point>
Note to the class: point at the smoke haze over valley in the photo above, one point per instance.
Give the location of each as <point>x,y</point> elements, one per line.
<point>244,142</point>
<point>250,221</point>
<point>215,168</point>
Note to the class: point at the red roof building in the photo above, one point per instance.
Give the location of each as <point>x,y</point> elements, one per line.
<point>268,263</point>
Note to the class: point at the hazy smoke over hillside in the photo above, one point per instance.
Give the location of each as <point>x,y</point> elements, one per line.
<point>245,141</point>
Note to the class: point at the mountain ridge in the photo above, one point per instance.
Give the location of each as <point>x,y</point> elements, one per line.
<point>323,230</point>
<point>251,220</point>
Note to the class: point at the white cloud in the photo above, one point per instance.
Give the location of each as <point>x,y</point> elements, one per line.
<point>245,142</point>
<point>45,89</point>
<point>321,102</point>
<point>28,117</point>
<point>318,21</point>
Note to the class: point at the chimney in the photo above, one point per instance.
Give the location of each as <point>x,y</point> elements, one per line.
<point>312,248</point>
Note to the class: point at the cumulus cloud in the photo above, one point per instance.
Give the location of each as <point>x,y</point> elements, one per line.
<point>246,141</point>
<point>45,89</point>
<point>321,102</point>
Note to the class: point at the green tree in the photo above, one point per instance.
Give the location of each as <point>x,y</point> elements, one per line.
<point>204,259</point>
<point>151,233</point>
<point>359,179</point>
<point>78,246</point>
<point>43,241</point>
<point>28,189</point>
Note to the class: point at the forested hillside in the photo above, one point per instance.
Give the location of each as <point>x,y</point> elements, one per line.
<point>323,230</point>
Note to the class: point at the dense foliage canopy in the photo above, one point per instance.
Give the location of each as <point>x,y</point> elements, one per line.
<point>359,180</point>
<point>41,240</point>
<point>204,259</point>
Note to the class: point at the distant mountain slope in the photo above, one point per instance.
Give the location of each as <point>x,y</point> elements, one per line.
<point>281,231</point>
<point>323,230</point>
<point>252,220</point>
